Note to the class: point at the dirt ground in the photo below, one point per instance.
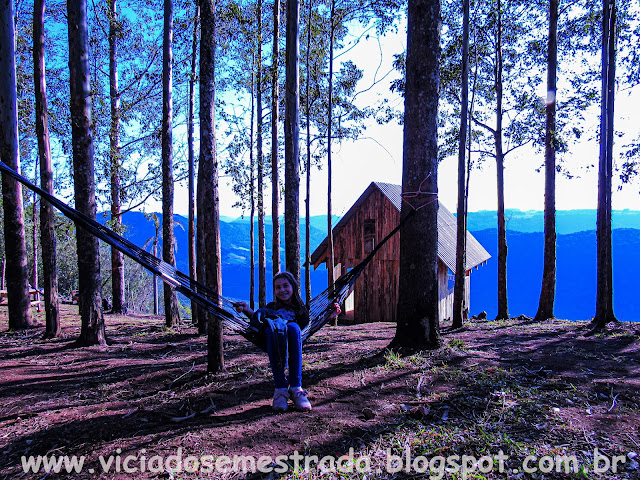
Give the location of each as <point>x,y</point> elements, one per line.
<point>515,385</point>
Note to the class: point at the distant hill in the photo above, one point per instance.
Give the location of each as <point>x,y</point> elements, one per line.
<point>568,221</point>
<point>576,274</point>
<point>235,250</point>
<point>317,221</point>
<point>576,259</point>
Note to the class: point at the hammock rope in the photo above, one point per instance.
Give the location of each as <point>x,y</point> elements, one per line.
<point>320,307</point>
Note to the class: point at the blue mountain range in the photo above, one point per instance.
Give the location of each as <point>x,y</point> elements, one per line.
<point>576,259</point>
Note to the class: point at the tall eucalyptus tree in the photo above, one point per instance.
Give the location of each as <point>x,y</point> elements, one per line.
<point>291,142</point>
<point>460,310</point>
<point>14,231</point>
<point>548,291</point>
<point>418,324</point>
<point>47,214</point>
<point>208,176</point>
<point>604,290</point>
<point>275,108</point>
<point>90,301</point>
<point>191,158</point>
<point>168,238</point>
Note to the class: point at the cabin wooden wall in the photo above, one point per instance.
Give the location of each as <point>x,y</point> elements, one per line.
<point>376,292</point>
<point>467,291</point>
<point>445,294</point>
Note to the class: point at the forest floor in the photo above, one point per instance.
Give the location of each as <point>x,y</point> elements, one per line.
<point>516,395</point>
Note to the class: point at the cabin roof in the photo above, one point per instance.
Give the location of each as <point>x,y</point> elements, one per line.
<point>476,254</point>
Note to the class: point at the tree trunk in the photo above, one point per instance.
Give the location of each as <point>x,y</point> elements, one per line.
<point>307,223</point>
<point>171,313</point>
<point>460,310</point>
<point>209,172</point>
<point>418,320</point>
<point>155,277</point>
<point>548,291</point>
<point>117,258</point>
<point>191,159</point>
<point>275,181</point>
<point>262,253</point>
<point>503,309</point>
<point>34,239</point>
<point>14,231</point>
<point>201,246</point>
<point>330,253</point>
<point>47,215</point>
<point>604,289</point>
<point>291,143</point>
<point>252,200</point>
<point>90,300</point>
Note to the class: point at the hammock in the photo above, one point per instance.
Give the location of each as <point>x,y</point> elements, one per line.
<point>320,307</point>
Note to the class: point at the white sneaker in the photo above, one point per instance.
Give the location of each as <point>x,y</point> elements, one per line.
<point>300,400</point>
<point>280,400</point>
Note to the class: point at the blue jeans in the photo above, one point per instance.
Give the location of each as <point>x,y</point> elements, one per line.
<point>284,342</point>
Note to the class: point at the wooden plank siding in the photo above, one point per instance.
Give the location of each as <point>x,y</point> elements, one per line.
<point>445,295</point>
<point>348,242</point>
<point>376,294</point>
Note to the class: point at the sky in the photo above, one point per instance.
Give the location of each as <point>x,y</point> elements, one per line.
<point>377,156</point>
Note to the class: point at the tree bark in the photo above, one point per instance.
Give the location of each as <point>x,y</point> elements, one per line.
<point>34,238</point>
<point>275,181</point>
<point>156,236</point>
<point>418,318</point>
<point>47,215</point>
<point>604,289</point>
<point>117,258</point>
<point>172,316</point>
<point>14,232</point>
<point>201,246</point>
<point>548,291</point>
<point>330,253</point>
<point>291,143</point>
<point>262,252</point>
<point>503,309</point>
<point>90,300</point>
<point>460,310</point>
<point>209,172</point>
<point>252,200</point>
<point>307,223</point>
<point>191,159</point>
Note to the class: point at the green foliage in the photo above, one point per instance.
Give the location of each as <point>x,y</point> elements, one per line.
<point>524,39</point>
<point>457,344</point>
<point>139,42</point>
<point>393,359</point>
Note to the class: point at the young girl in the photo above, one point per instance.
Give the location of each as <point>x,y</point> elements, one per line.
<point>283,320</point>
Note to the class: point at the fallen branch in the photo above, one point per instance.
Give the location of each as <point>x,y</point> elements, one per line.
<point>130,413</point>
<point>210,408</point>
<point>631,438</point>
<point>182,419</point>
<point>183,375</point>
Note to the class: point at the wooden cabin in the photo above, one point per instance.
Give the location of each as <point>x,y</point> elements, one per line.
<point>372,217</point>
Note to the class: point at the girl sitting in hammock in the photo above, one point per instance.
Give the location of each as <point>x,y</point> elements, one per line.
<point>282,321</point>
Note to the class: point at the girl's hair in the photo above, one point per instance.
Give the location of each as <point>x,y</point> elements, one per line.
<point>296,299</point>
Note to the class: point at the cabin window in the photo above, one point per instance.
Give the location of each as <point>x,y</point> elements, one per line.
<point>369,236</point>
